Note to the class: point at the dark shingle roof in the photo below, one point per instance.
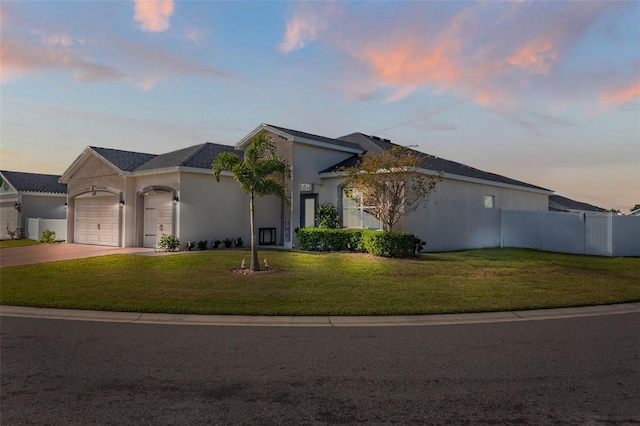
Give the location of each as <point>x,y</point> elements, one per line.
<point>200,156</point>
<point>35,182</point>
<point>563,204</point>
<point>377,145</point>
<point>124,160</point>
<point>204,157</point>
<point>337,142</point>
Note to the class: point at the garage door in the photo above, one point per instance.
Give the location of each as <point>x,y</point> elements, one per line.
<point>8,219</point>
<point>157,218</point>
<point>97,221</point>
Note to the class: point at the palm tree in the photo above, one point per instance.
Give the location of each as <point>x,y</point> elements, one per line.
<point>255,174</point>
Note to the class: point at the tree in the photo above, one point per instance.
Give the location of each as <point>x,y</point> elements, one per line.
<point>260,173</point>
<point>390,184</point>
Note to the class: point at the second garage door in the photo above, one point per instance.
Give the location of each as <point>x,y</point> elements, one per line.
<point>97,221</point>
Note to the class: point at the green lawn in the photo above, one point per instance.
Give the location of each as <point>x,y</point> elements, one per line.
<point>17,243</point>
<point>325,283</point>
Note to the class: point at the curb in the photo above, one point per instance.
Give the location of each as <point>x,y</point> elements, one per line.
<point>317,321</point>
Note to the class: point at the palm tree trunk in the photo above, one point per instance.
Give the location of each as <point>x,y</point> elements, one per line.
<point>255,265</point>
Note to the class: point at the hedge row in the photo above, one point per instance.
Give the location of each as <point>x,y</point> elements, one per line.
<point>387,244</point>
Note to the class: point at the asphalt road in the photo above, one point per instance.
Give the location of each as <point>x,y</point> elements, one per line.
<point>563,371</point>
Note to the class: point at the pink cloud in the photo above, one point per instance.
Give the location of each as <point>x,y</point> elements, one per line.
<point>153,15</point>
<point>537,56</point>
<point>300,30</point>
<point>19,57</point>
<point>621,96</point>
<point>498,54</point>
<point>308,23</point>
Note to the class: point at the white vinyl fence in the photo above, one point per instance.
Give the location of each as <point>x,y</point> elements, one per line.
<point>36,226</point>
<point>582,233</point>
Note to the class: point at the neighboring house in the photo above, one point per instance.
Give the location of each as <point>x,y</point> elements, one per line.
<point>558,203</point>
<point>29,195</point>
<point>124,198</point>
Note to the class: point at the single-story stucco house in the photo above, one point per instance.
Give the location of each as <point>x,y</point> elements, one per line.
<point>29,195</point>
<point>130,199</point>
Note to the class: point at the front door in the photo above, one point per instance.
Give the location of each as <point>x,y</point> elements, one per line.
<point>157,218</point>
<point>308,203</point>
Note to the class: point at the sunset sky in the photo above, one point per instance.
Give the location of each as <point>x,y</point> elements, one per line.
<point>543,92</point>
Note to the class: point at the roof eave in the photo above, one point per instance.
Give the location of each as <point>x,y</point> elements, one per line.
<point>326,175</point>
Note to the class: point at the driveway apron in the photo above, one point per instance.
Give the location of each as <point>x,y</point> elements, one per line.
<point>13,256</point>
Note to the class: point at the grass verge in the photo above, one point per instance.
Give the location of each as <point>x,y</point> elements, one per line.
<point>325,283</point>
<point>17,243</point>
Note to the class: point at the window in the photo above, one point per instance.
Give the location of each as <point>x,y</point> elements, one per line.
<point>489,201</point>
<point>306,187</point>
<point>354,214</point>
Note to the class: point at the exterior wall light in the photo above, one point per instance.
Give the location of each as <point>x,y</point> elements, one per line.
<point>121,203</point>
<point>176,200</point>
<point>17,206</point>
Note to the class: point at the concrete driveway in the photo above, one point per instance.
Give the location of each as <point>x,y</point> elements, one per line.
<point>42,253</point>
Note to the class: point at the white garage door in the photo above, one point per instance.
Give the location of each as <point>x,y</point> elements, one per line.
<point>97,221</point>
<point>8,219</point>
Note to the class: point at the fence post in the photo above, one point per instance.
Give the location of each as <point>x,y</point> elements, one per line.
<point>539,226</point>
<point>584,232</point>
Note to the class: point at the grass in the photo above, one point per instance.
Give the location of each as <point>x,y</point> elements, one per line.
<point>325,283</point>
<point>17,243</point>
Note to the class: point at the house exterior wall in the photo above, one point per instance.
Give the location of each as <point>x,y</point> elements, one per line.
<point>455,217</point>
<point>268,214</point>
<point>308,161</point>
<point>212,210</point>
<point>45,206</point>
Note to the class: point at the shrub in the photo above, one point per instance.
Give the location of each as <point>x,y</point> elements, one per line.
<point>48,236</point>
<point>327,216</point>
<point>169,243</point>
<point>189,245</point>
<point>330,239</point>
<point>202,245</point>
<point>227,242</point>
<point>215,244</point>
<point>389,244</point>
<point>238,242</point>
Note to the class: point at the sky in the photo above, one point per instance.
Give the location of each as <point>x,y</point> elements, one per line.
<point>546,92</point>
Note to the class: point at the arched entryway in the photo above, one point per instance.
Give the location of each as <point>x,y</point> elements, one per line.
<point>97,217</point>
<point>158,212</point>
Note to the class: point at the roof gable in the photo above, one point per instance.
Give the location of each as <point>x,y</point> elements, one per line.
<point>34,182</point>
<point>301,137</point>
